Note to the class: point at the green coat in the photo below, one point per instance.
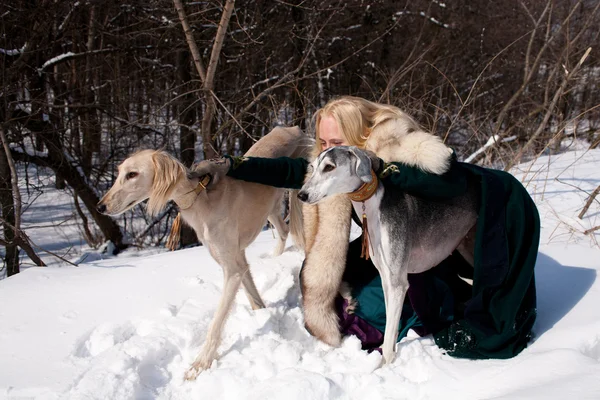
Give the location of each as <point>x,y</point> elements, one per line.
<point>495,319</point>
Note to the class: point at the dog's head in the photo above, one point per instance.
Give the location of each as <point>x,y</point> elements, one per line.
<point>148,174</point>
<point>341,169</point>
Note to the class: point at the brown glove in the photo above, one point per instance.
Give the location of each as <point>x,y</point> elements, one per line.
<point>217,168</point>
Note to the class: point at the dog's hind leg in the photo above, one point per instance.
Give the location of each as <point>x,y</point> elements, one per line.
<point>249,287</point>
<point>296,220</point>
<point>395,287</point>
<point>281,227</point>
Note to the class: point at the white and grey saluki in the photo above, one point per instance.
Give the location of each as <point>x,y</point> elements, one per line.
<point>407,234</point>
<point>226,217</point>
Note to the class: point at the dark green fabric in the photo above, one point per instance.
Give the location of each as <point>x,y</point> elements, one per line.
<point>499,315</point>
<point>498,318</point>
<point>371,307</point>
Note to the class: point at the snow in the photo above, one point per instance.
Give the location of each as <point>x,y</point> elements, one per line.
<point>129,326</point>
<point>56,59</point>
<point>13,52</point>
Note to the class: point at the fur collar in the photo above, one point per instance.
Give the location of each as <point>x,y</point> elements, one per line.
<point>401,140</point>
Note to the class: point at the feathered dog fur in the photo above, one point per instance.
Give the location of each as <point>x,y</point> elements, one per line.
<point>226,217</point>
<point>327,224</point>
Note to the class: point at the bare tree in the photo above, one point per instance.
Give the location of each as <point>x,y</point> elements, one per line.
<point>14,237</point>
<point>207,77</point>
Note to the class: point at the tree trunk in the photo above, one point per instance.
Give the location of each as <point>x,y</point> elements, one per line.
<point>11,258</point>
<point>186,110</point>
<point>58,162</point>
<point>91,125</point>
<point>187,136</point>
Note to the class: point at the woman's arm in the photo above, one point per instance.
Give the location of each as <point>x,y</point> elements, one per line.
<point>282,172</point>
<point>416,182</point>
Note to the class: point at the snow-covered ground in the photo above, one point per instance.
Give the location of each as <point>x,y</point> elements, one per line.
<point>128,327</point>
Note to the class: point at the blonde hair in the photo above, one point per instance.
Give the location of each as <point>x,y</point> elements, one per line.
<point>356,118</point>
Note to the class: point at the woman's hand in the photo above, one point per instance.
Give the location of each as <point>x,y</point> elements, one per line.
<point>217,168</point>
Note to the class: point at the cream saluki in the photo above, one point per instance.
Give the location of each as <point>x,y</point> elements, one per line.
<point>226,217</point>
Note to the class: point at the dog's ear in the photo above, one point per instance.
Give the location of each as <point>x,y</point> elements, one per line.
<point>363,164</point>
<point>166,173</point>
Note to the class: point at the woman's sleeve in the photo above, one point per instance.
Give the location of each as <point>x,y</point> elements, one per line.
<point>282,172</point>
<point>416,182</point>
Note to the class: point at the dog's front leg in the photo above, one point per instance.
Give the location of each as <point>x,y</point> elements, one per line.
<point>395,287</point>
<point>213,338</point>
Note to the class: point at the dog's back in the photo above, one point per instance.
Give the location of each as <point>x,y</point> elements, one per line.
<point>431,228</point>
<point>281,142</point>
<point>243,206</point>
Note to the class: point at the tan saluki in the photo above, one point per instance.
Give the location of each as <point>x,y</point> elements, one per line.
<point>226,217</point>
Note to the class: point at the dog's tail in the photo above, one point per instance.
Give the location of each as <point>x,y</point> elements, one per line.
<point>296,220</point>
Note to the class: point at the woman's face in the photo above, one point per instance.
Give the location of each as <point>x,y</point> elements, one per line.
<point>330,134</point>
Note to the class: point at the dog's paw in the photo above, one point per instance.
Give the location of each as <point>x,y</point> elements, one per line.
<point>197,367</point>
<point>191,374</point>
<point>351,307</point>
<point>346,292</point>
<point>388,357</point>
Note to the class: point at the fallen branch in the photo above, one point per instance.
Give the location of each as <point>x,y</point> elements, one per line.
<point>491,141</point>
<point>22,240</point>
<point>588,203</point>
<point>591,230</point>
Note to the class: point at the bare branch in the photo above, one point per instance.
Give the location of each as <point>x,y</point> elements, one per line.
<point>189,36</point>
<point>537,23</point>
<point>218,44</point>
<point>532,69</point>
<point>588,203</point>
<point>559,92</point>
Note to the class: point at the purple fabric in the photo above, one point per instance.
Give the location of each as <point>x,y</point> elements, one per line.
<point>422,303</point>
<point>351,324</point>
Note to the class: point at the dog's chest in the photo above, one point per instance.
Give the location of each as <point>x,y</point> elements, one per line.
<point>378,240</point>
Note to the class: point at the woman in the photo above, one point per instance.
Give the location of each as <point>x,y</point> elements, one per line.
<point>490,319</point>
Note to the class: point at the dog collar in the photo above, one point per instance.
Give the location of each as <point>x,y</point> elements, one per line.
<point>187,202</point>
<point>203,183</point>
<point>366,190</point>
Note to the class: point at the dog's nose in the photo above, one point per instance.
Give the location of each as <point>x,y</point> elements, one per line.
<point>101,208</point>
<point>303,196</point>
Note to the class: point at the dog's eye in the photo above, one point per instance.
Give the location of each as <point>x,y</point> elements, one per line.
<point>131,175</point>
<point>328,168</point>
